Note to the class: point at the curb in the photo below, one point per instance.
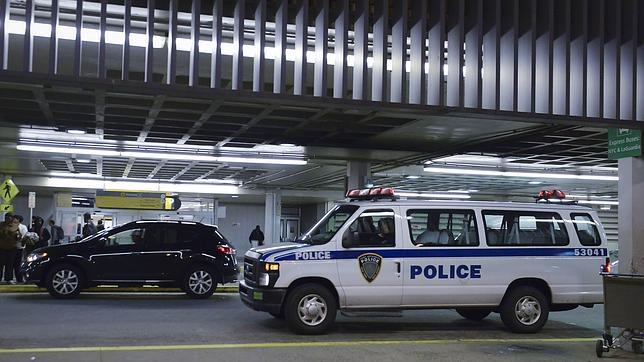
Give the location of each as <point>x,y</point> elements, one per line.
<point>34,289</point>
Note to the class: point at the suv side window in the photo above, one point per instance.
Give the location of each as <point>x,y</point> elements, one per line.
<point>134,236</point>
<point>432,227</point>
<point>524,228</point>
<point>586,229</point>
<point>373,228</point>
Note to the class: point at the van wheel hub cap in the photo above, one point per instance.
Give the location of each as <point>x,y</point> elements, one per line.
<point>527,310</point>
<point>312,310</point>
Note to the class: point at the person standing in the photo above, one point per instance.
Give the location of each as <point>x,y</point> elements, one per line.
<point>57,233</point>
<point>43,234</point>
<point>8,246</point>
<point>256,235</point>
<point>100,227</point>
<point>22,231</point>
<point>89,228</point>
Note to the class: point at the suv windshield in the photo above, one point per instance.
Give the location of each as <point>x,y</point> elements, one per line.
<point>326,228</point>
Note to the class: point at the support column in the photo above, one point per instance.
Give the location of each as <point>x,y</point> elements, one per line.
<point>272,216</point>
<point>215,211</point>
<point>358,174</point>
<point>631,209</point>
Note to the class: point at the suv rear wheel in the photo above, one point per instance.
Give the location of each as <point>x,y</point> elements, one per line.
<point>200,282</point>
<point>310,309</point>
<point>64,281</point>
<point>525,309</point>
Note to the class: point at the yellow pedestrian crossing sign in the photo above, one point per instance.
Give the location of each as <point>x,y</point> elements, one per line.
<point>8,190</point>
<point>6,208</point>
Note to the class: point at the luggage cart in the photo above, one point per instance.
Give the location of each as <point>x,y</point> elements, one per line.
<point>624,309</point>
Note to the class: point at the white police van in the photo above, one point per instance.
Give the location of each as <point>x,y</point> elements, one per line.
<point>521,260</point>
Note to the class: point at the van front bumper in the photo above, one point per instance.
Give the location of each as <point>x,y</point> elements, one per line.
<point>262,299</point>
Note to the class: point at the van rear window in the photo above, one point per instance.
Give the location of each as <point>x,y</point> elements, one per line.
<point>524,228</point>
<point>586,229</point>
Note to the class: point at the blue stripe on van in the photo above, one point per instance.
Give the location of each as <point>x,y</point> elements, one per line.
<point>265,256</point>
<point>453,253</point>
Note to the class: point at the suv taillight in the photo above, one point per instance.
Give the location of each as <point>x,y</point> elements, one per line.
<point>225,249</point>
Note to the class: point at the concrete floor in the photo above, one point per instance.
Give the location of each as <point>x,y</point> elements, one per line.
<point>169,327</point>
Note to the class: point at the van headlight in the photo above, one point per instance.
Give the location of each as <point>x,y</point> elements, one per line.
<point>36,256</point>
<point>264,279</point>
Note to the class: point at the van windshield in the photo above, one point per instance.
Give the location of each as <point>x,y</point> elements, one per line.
<point>326,228</point>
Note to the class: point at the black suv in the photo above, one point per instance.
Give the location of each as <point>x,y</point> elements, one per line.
<point>192,256</point>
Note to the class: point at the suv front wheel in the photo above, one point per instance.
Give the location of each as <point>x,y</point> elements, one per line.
<point>200,282</point>
<point>64,281</point>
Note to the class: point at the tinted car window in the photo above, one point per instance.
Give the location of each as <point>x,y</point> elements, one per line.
<point>127,237</point>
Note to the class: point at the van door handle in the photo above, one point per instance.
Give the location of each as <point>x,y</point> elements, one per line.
<point>398,267</point>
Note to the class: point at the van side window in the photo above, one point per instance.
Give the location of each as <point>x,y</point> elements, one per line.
<point>524,228</point>
<point>373,228</point>
<point>586,229</point>
<point>431,227</point>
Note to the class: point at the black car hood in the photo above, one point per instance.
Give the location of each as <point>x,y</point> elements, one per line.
<point>62,249</point>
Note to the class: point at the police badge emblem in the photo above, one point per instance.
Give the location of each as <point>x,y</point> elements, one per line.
<point>370,265</point>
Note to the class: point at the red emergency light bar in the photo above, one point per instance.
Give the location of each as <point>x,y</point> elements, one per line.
<point>549,195</point>
<point>372,193</point>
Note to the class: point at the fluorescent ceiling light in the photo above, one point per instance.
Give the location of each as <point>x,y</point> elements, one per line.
<point>469,158</point>
<point>473,172</point>
<point>185,44</point>
<point>234,196</point>
<point>161,155</point>
<point>432,195</point>
<point>89,35</point>
<point>598,202</point>
<point>76,131</point>
<point>412,177</point>
<point>535,182</point>
<point>60,182</point>
<point>67,150</point>
<point>83,160</point>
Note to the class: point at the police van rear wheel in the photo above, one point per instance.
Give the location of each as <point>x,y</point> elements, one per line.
<point>525,310</point>
<point>475,314</point>
<point>310,309</point>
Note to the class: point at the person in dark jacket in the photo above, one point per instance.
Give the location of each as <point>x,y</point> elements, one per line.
<point>256,235</point>
<point>57,233</point>
<point>89,228</point>
<point>39,228</point>
<point>8,246</point>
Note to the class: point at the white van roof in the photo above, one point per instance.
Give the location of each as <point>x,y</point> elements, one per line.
<point>473,204</point>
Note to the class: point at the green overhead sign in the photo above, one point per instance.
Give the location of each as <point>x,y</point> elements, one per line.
<point>624,142</point>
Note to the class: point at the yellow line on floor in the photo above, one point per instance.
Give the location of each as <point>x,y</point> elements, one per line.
<point>293,345</point>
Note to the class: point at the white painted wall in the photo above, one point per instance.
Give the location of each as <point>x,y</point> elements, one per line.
<point>240,220</point>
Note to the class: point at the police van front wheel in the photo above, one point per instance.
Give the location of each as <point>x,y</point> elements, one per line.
<point>525,310</point>
<point>310,309</point>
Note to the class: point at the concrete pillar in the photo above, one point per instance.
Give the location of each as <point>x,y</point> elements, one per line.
<point>272,216</point>
<point>631,211</point>
<point>358,174</point>
<point>215,211</point>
